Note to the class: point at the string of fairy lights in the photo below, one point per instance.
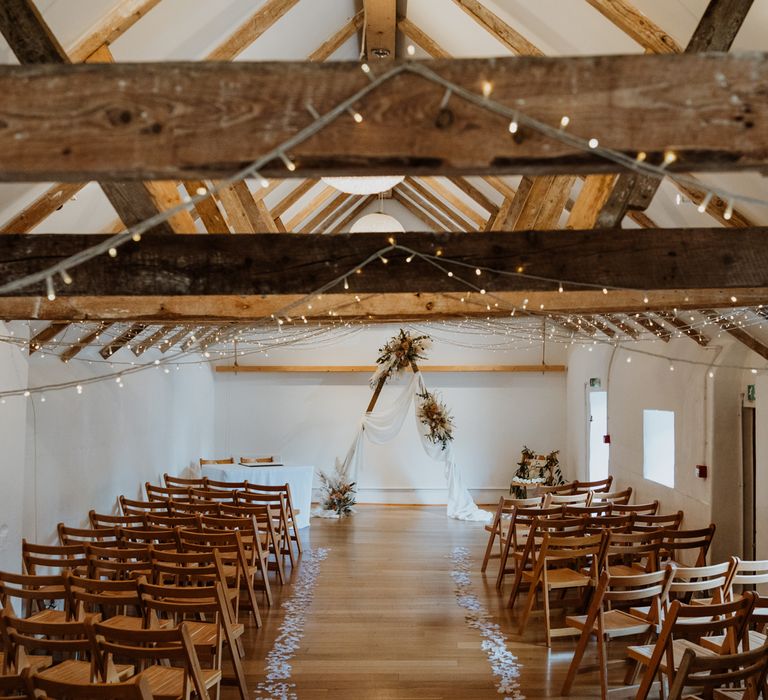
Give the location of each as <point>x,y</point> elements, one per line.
<point>538,325</point>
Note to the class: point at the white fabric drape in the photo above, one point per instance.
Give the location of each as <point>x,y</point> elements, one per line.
<point>383,425</point>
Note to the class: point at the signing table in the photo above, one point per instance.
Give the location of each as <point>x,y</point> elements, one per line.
<point>299,478</point>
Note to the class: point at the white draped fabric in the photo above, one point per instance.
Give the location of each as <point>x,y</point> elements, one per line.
<point>383,425</point>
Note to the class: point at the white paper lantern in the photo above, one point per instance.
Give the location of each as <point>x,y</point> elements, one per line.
<point>377,223</point>
<point>364,185</point>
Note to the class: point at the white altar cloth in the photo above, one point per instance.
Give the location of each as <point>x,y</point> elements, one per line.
<point>299,478</point>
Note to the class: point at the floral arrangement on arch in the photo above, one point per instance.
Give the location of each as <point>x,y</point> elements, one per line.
<point>340,494</point>
<point>398,354</point>
<point>434,414</point>
<point>535,469</point>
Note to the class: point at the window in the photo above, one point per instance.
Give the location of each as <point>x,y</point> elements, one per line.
<point>659,446</point>
<point>598,427</point>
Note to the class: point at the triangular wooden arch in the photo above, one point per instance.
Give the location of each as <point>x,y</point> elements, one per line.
<point>382,382</point>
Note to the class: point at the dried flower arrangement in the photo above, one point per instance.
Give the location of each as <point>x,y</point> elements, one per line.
<point>399,353</point>
<point>339,493</point>
<point>533,469</point>
<point>434,414</point>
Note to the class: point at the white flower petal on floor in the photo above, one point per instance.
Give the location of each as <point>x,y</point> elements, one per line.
<point>504,663</point>
<point>278,685</point>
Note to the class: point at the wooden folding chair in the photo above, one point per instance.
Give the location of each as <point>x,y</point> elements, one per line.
<point>560,566</point>
<point>165,493</point>
<point>213,495</point>
<point>740,675</point>
<point>617,497</point>
<point>283,523</point>
<point>606,623</point>
<point>159,537</point>
<point>689,627</point>
<point>105,536</point>
<point>676,543</point>
<point>557,499</point>
<point>129,506</point>
<point>232,485</point>
<point>226,460</point>
<point>588,511</point>
<point>650,523</point>
<point>104,520</point>
<point>597,486</point>
<point>178,481</point>
<point>118,563</point>
<point>632,553</point>
<point>36,596</point>
<point>175,520</point>
<point>237,569</point>
<point>499,526</point>
<point>637,508</point>
<point>266,518</point>
<point>209,637</point>
<point>195,508</point>
<point>165,659</point>
<point>521,522</point>
<point>255,545</point>
<point>568,488</point>
<point>52,559</point>
<point>117,602</point>
<point>15,687</point>
<point>613,523</point>
<point>48,689</point>
<point>289,513</point>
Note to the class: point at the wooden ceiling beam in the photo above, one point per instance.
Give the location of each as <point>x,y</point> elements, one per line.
<point>341,214</point>
<point>380,29</point>
<point>218,140</point>
<point>636,25</point>
<point>652,326</point>
<point>191,309</point>
<point>477,219</point>
<point>410,193</point>
<point>418,212</point>
<point>716,207</point>
<point>150,341</point>
<point>317,201</point>
<point>473,193</point>
<point>418,36</point>
<point>734,331</point>
<point>327,211</point>
<point>292,197</point>
<point>449,213</point>
<point>604,328</point>
<point>250,30</point>
<point>207,209</point>
<point>85,341</point>
<point>498,28</point>
<point>353,213</point>
<point>658,259</point>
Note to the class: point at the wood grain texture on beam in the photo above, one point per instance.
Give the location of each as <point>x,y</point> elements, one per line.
<point>335,41</point>
<point>37,341</point>
<point>636,25</point>
<point>250,30</point>
<point>84,341</point>
<point>41,208</point>
<point>418,36</point>
<point>684,327</point>
<point>386,307</point>
<point>120,341</point>
<point>287,263</point>
<point>130,134</point>
<point>28,35</point>
<point>653,326</point>
<point>380,29</point>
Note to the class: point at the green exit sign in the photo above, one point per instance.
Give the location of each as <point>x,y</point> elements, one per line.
<point>750,392</point>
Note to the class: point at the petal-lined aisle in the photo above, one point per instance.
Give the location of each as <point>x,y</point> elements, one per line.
<point>385,619</point>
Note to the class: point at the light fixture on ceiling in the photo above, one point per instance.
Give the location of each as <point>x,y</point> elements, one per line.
<point>377,223</point>
<point>364,185</point>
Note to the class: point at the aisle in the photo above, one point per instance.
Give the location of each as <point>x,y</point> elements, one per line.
<point>385,622</point>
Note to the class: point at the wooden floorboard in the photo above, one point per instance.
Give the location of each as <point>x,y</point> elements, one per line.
<point>385,624</point>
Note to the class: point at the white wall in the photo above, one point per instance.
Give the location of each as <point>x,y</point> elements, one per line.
<point>311,418</point>
<point>85,450</point>
<point>13,416</point>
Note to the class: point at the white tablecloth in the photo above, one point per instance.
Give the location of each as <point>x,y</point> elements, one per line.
<point>300,479</point>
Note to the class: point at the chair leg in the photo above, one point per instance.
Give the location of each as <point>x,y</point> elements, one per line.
<point>489,547</point>
<point>578,654</point>
<point>602,663</point>
<point>529,603</point>
<point>547,623</point>
<point>516,585</point>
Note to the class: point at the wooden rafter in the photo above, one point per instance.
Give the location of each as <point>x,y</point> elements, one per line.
<point>739,333</point>
<point>207,209</point>
<point>84,341</point>
<point>350,207</point>
<point>399,196</point>
<point>123,339</point>
<point>177,337</point>
<point>419,186</point>
<point>150,341</point>
<point>352,213</point>
<point>475,194</point>
<point>250,30</point>
<point>215,141</point>
<point>42,207</point>
<point>335,41</point>
<point>418,36</point>
<point>636,25</point>
<point>292,197</point>
<point>684,327</point>
<point>604,328</point>
<point>317,201</point>
<point>326,212</point>
<point>623,326</point>
<point>716,207</point>
<point>446,224</point>
<point>450,196</point>
<point>380,29</point>
<point>44,336</point>
<point>653,326</point>
<point>498,28</point>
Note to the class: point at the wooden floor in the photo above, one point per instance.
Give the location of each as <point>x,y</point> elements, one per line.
<point>384,622</point>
